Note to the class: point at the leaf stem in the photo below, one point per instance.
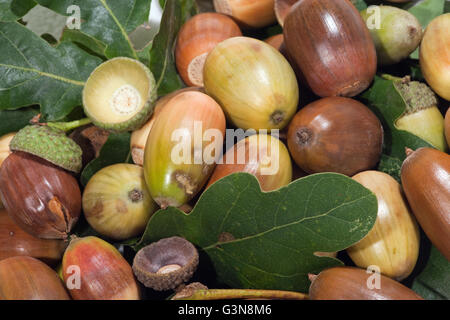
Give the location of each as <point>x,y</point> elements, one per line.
<point>68,126</point>
<point>226,294</point>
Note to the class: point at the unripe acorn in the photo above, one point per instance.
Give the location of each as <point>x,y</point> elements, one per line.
<point>16,242</point>
<point>331,45</point>
<point>335,134</point>
<point>95,270</point>
<point>43,199</point>
<point>447,126</point>
<point>422,117</point>
<point>249,13</point>
<point>349,283</point>
<point>264,156</point>
<point>116,202</point>
<point>198,36</point>
<point>26,278</point>
<point>139,137</point>
<point>425,178</point>
<point>393,243</point>
<point>182,148</point>
<point>434,55</point>
<point>253,82</point>
<point>395,32</point>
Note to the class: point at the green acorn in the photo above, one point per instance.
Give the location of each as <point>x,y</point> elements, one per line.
<point>422,116</point>
<point>50,144</point>
<point>119,95</point>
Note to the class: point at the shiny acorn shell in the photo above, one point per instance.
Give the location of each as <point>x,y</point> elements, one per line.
<point>250,14</point>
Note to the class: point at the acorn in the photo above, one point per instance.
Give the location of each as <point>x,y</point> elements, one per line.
<point>282,8</point>
<point>166,264</point>
<point>91,140</point>
<point>116,202</point>
<point>349,283</point>
<point>94,270</point>
<point>393,243</point>
<point>119,94</point>
<point>335,134</point>
<point>16,242</point>
<point>434,53</point>
<point>250,13</point>
<point>447,126</point>
<point>253,82</point>
<point>182,148</point>
<point>26,278</point>
<point>425,176</point>
<point>39,195</point>
<point>262,155</point>
<point>197,37</point>
<point>395,32</point>
<point>5,151</point>
<point>330,44</point>
<point>422,117</point>
<point>275,41</point>
<point>139,137</point>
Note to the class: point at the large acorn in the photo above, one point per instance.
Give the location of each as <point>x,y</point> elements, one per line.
<point>331,45</point>
<point>36,187</point>
<point>425,178</point>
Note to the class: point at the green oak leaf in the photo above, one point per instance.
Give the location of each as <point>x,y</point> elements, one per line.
<point>387,103</point>
<point>33,72</point>
<point>115,150</point>
<point>360,4</point>
<point>84,41</point>
<point>12,10</point>
<point>14,120</point>
<point>162,60</point>
<point>268,240</point>
<point>433,283</point>
<point>108,21</point>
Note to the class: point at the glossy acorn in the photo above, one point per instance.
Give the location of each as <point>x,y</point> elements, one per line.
<point>44,199</point>
<point>264,156</point>
<point>5,151</point>
<point>349,283</point>
<point>282,8</point>
<point>249,13</point>
<point>425,176</point>
<point>393,243</point>
<point>253,83</point>
<point>330,44</point>
<point>26,278</point>
<point>16,242</point>
<point>95,270</point>
<point>434,55</point>
<point>198,36</point>
<point>182,148</point>
<point>335,134</point>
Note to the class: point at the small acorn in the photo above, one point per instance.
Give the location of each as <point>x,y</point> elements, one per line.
<point>253,82</point>
<point>39,195</point>
<point>264,156</point>
<point>349,283</point>
<point>335,134</point>
<point>119,94</point>
<point>94,270</point>
<point>425,178</point>
<point>16,242</point>
<point>166,264</point>
<point>434,53</point>
<point>116,202</point>
<point>197,37</point>
<point>182,148</point>
<point>422,117</point>
<point>393,243</point>
<point>395,32</point>
<point>26,278</point>
<point>249,13</point>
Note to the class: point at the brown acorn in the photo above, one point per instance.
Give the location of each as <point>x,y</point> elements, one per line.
<point>253,13</point>
<point>26,278</point>
<point>349,283</point>
<point>198,36</point>
<point>331,45</point>
<point>335,134</point>
<point>16,242</point>
<point>42,198</point>
<point>275,41</point>
<point>282,8</point>
<point>425,178</point>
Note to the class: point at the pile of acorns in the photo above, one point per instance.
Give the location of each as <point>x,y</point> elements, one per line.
<point>326,47</point>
